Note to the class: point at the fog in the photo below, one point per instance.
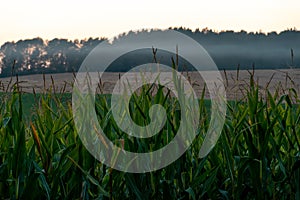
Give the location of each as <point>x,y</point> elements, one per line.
<point>228,50</point>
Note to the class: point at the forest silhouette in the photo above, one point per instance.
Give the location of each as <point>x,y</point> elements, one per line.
<point>228,49</point>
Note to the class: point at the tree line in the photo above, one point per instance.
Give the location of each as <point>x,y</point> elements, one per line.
<point>229,49</point>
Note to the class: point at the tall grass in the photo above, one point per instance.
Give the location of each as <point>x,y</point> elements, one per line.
<point>257,156</point>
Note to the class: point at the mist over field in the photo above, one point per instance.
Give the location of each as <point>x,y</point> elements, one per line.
<point>150,99</point>
<point>227,48</point>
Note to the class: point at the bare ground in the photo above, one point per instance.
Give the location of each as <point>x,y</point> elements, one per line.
<point>236,82</point>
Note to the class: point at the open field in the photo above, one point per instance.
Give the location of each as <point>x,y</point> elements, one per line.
<point>236,82</point>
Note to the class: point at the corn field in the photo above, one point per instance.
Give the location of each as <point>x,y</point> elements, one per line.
<point>256,157</point>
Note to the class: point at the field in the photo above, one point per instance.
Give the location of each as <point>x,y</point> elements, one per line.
<point>236,82</point>
<point>256,157</point>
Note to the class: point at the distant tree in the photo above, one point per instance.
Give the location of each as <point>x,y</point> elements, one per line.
<point>11,56</point>
<point>227,48</point>
<point>1,61</point>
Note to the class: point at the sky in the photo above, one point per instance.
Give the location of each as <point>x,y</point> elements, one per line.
<point>101,18</point>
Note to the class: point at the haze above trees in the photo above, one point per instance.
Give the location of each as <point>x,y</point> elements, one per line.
<point>228,49</point>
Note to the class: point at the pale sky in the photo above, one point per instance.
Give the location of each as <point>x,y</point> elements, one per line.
<point>96,18</point>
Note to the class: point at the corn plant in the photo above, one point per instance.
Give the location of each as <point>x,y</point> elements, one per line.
<point>257,156</point>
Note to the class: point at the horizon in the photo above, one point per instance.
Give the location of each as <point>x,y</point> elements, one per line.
<point>79,20</point>
<point>141,30</point>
